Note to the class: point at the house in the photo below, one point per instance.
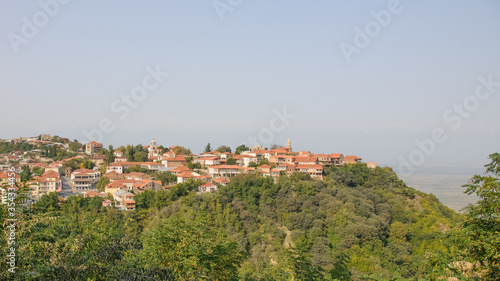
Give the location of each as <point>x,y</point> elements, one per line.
<point>259,153</point>
<point>179,169</point>
<point>84,179</point>
<point>227,171</point>
<point>114,167</point>
<point>351,159</point>
<point>221,181</point>
<point>247,159</point>
<point>208,187</point>
<point>280,159</point>
<point>174,161</point>
<point>106,203</point>
<point>45,184</point>
<point>93,147</point>
<point>305,160</point>
<point>118,153</point>
<point>56,167</point>
<point>168,154</point>
<point>93,193</point>
<point>208,161</point>
<point>136,176</point>
<point>315,171</point>
<point>114,186</point>
<point>113,176</point>
<point>205,178</point>
<point>146,184</point>
<point>7,178</point>
<point>153,166</point>
<point>98,160</point>
<point>266,169</point>
<point>333,159</point>
<point>226,155</point>
<point>371,165</point>
<point>124,200</point>
<point>185,176</point>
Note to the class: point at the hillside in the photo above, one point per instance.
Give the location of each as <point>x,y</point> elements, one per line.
<point>359,224</point>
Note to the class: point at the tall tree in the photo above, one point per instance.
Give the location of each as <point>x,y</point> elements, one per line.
<point>208,148</point>
<point>482,224</point>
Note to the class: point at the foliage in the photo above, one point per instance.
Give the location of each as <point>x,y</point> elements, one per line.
<point>191,251</point>
<point>479,237</point>
<point>357,223</point>
<point>101,184</point>
<point>231,161</point>
<point>241,148</point>
<point>223,148</point>
<point>180,150</point>
<point>208,148</point>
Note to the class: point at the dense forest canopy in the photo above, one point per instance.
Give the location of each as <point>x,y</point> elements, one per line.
<point>356,224</point>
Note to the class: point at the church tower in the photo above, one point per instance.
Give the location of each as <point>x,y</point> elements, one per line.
<point>289,145</point>
<point>152,149</point>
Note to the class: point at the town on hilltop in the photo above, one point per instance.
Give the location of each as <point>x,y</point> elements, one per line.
<point>54,164</point>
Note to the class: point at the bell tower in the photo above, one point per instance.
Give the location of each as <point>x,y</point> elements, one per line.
<point>289,145</point>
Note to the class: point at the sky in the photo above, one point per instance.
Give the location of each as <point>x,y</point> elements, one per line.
<point>410,84</point>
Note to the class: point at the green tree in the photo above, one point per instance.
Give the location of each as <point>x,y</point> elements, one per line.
<point>482,224</point>
<point>191,251</point>
<point>223,148</point>
<point>75,145</point>
<point>140,156</point>
<point>208,148</point>
<point>101,184</point>
<point>231,161</point>
<point>241,148</point>
<point>25,173</point>
<point>301,266</point>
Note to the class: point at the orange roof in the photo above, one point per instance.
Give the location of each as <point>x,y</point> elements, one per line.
<point>176,158</point>
<point>221,180</point>
<point>352,157</point>
<point>185,174</point>
<point>305,159</point>
<point>227,167</point>
<point>179,169</point>
<point>5,175</point>
<point>312,166</point>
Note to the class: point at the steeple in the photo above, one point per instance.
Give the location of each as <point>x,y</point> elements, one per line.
<point>289,145</point>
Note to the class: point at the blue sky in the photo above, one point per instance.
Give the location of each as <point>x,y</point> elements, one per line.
<point>227,77</point>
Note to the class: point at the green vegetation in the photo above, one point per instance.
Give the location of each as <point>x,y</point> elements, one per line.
<point>357,224</point>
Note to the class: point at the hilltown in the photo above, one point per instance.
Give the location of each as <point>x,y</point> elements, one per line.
<point>110,174</point>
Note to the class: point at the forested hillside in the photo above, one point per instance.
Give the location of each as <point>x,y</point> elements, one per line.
<point>357,224</point>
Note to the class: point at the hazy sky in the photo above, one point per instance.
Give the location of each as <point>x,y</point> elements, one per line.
<point>357,77</point>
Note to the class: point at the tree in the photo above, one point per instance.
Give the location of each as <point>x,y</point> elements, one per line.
<point>208,148</point>
<point>140,156</point>
<point>482,224</point>
<point>25,173</point>
<point>87,164</point>
<point>191,251</point>
<point>179,150</point>
<point>75,145</point>
<point>241,148</point>
<point>110,156</point>
<point>231,161</point>
<point>103,181</point>
<point>224,148</point>
<point>300,261</point>
<point>274,146</point>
